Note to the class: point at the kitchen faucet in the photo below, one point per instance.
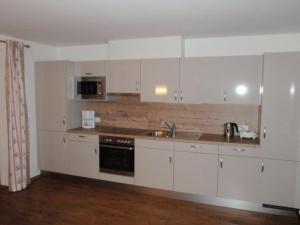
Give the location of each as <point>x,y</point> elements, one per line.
<point>171,126</point>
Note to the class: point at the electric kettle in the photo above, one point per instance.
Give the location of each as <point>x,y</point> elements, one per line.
<point>229,130</point>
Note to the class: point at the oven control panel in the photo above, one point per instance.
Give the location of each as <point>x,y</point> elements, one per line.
<point>120,141</point>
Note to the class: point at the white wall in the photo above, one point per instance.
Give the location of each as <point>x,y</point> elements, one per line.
<point>241,45</point>
<point>162,47</point>
<point>36,52</point>
<point>82,53</point>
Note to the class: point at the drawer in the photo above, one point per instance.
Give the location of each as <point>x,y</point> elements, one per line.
<point>196,147</point>
<point>168,145</point>
<point>83,137</point>
<point>239,150</point>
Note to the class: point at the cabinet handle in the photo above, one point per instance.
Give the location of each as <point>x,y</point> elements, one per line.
<point>88,74</point>
<point>137,85</point>
<point>96,151</point>
<point>175,95</point>
<point>238,149</point>
<point>81,136</point>
<point>225,96</point>
<point>64,139</point>
<point>264,133</point>
<point>170,159</point>
<point>221,163</point>
<point>181,95</point>
<point>64,122</point>
<point>262,167</point>
<point>196,146</point>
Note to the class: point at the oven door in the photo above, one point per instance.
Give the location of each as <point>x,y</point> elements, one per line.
<point>117,159</point>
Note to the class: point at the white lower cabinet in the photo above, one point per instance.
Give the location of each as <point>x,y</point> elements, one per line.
<point>196,173</point>
<point>239,177</point>
<point>52,151</point>
<point>83,159</point>
<point>83,155</point>
<point>154,168</point>
<point>297,197</point>
<point>278,182</point>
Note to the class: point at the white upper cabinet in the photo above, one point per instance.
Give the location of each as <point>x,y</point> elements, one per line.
<point>160,80</point>
<point>51,95</point>
<point>123,76</point>
<point>280,109</point>
<point>91,68</point>
<point>228,79</point>
<point>55,111</point>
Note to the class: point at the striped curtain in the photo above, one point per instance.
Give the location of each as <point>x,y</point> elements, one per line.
<point>18,140</point>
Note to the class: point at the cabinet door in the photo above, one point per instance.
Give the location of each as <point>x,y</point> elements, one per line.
<point>196,173</point>
<point>51,94</point>
<point>280,109</point>
<point>83,159</point>
<point>160,80</point>
<point>124,76</point>
<point>239,177</point>
<point>91,68</point>
<point>278,183</point>
<point>200,80</point>
<point>154,168</point>
<point>230,79</point>
<point>241,79</point>
<point>52,151</point>
<point>297,198</point>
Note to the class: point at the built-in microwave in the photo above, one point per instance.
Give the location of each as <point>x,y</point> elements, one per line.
<point>90,88</point>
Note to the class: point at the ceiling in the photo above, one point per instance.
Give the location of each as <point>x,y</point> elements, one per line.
<point>79,22</point>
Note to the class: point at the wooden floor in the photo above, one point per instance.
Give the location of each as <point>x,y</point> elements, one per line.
<point>54,200</point>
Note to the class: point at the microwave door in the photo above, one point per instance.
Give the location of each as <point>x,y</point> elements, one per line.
<point>87,89</point>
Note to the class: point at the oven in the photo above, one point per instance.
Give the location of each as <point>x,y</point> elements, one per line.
<point>117,155</point>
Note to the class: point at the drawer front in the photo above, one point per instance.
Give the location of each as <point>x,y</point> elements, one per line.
<point>239,150</point>
<point>196,147</point>
<point>83,137</point>
<point>168,145</point>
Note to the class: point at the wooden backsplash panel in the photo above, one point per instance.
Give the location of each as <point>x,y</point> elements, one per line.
<point>129,112</point>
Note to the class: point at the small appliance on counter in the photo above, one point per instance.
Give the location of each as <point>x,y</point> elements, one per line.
<point>88,119</point>
<point>245,133</point>
<point>229,130</point>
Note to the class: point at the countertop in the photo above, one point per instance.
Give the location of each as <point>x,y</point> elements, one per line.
<point>180,136</point>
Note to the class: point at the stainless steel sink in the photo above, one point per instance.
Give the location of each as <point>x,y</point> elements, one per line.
<point>159,133</point>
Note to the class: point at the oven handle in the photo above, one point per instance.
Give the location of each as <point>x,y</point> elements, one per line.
<point>117,147</point>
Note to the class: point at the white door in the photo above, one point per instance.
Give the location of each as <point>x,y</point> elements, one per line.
<point>200,80</point>
<point>52,152</point>
<point>160,80</point>
<point>228,79</point>
<point>241,79</point>
<point>51,94</point>
<point>196,173</point>
<point>239,177</point>
<point>83,159</point>
<point>154,168</point>
<point>297,198</point>
<point>123,76</point>
<point>280,109</point>
<point>278,183</point>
